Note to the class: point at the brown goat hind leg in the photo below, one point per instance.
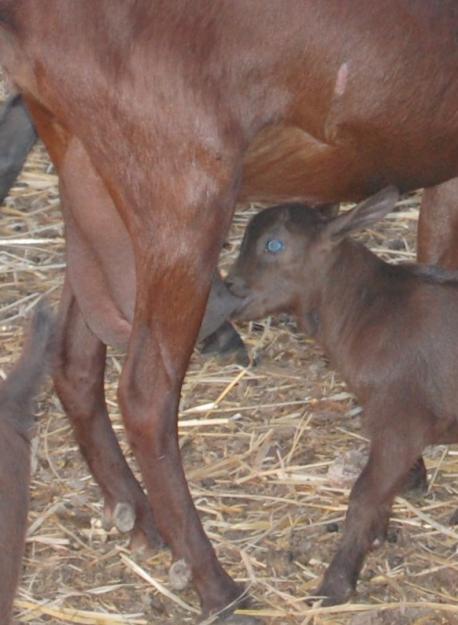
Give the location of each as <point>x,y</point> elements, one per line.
<point>369,508</point>
<point>438,244</point>
<point>79,383</point>
<point>80,365</point>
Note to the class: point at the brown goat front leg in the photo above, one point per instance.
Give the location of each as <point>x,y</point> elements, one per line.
<point>79,382</point>
<point>149,394</point>
<point>393,452</point>
<point>173,279</point>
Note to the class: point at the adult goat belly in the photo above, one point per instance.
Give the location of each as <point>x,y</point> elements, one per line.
<point>286,163</point>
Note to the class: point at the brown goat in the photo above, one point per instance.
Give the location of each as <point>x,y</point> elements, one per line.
<point>16,419</point>
<point>389,329</point>
<point>158,115</point>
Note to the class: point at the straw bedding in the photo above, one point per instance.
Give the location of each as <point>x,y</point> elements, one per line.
<point>270,452</point>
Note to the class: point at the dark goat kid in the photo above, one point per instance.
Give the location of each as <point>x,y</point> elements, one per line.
<point>16,395</point>
<point>389,329</point>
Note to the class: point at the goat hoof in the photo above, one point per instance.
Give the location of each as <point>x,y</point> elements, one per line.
<point>120,515</point>
<point>137,520</point>
<point>335,591</point>
<point>124,517</point>
<point>180,574</point>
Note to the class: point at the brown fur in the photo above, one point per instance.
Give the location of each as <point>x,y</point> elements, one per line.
<point>158,115</point>
<point>388,329</point>
<point>16,395</point>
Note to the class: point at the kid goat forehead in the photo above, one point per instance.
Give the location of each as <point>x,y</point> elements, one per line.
<point>293,217</point>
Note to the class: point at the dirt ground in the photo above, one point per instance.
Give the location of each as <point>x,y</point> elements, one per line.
<point>270,453</point>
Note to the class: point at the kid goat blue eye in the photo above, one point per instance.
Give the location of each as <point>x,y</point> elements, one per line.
<point>274,246</point>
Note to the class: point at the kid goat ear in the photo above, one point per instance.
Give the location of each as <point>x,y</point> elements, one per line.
<point>363,215</point>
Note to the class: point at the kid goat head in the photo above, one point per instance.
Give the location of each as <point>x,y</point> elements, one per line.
<point>287,249</point>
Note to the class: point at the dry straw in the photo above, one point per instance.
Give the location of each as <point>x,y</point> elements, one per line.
<point>257,445</point>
